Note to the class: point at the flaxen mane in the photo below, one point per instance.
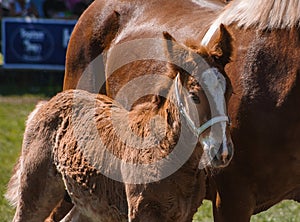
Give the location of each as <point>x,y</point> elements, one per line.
<point>261,14</point>
<point>215,5</point>
<point>265,14</point>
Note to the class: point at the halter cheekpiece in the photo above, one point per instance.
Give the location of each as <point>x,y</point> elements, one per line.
<point>196,130</point>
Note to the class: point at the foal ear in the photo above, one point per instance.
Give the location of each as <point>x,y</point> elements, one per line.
<point>168,36</point>
<point>176,54</point>
<point>220,47</point>
<point>173,50</point>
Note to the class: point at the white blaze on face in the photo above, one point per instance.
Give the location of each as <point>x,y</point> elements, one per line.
<point>214,85</point>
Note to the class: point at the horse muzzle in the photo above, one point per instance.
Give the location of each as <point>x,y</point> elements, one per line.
<point>216,154</point>
<point>221,156</point>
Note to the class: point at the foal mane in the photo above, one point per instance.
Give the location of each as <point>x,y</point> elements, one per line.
<point>262,14</point>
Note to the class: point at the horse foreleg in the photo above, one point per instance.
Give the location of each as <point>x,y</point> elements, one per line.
<point>61,209</point>
<point>142,208</point>
<point>150,212</point>
<point>231,205</point>
<point>74,215</point>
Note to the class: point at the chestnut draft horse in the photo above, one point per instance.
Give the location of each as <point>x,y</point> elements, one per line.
<point>142,164</point>
<point>265,108</point>
<point>265,75</point>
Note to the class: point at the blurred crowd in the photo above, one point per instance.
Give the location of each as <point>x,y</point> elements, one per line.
<point>68,9</point>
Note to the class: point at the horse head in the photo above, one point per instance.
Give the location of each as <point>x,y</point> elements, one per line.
<point>202,90</point>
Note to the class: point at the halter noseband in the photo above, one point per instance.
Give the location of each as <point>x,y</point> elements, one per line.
<point>196,130</point>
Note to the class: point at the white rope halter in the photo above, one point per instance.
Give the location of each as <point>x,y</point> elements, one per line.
<point>196,130</point>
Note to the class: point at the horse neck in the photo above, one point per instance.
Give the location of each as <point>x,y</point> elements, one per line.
<point>153,122</point>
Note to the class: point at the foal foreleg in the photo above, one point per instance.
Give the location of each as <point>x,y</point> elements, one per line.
<point>142,207</point>
<point>61,209</point>
<point>72,216</point>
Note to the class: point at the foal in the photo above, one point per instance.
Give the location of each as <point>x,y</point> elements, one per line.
<point>142,164</point>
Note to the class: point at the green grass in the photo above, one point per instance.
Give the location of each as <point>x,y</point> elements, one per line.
<point>13,113</point>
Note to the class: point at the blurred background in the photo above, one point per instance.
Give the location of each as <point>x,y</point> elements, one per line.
<point>34,37</point>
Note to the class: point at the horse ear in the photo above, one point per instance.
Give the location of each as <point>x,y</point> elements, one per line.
<point>176,54</point>
<point>171,47</point>
<point>167,36</point>
<point>220,47</point>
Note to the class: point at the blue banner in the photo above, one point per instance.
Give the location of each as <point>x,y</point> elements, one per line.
<point>35,43</point>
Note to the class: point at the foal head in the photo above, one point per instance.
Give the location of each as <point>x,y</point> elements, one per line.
<point>202,91</point>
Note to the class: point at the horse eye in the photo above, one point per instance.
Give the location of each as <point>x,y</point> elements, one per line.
<point>193,84</point>
<point>216,58</point>
<point>195,98</point>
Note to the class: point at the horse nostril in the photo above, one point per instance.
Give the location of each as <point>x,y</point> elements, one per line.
<point>220,155</point>
<point>223,155</point>
<point>227,153</point>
